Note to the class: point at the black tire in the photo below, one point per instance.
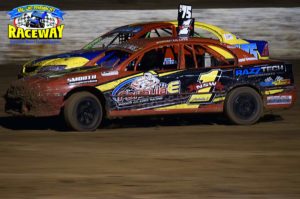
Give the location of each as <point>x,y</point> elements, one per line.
<point>244,106</point>
<point>83,112</point>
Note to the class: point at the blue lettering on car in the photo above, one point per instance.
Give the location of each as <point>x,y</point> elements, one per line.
<point>266,84</point>
<point>260,70</point>
<point>248,71</point>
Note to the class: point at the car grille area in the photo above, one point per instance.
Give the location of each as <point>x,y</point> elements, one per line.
<point>20,98</point>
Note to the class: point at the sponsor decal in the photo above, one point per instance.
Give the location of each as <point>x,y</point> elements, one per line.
<point>278,81</point>
<point>82,79</point>
<point>186,28</point>
<point>172,40</point>
<point>261,70</point>
<point>197,86</point>
<point>279,99</point>
<point>282,82</point>
<point>197,98</point>
<point>34,22</point>
<point>110,73</point>
<point>232,47</point>
<point>267,69</point>
<point>228,36</point>
<point>143,89</point>
<point>247,59</point>
<point>169,61</point>
<point>248,71</point>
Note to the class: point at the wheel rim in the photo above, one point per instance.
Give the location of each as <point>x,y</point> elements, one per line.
<point>245,106</point>
<point>88,112</point>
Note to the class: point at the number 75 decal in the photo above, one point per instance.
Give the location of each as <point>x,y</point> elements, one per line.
<point>185,11</point>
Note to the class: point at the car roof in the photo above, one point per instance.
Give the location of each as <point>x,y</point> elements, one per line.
<point>137,27</point>
<point>137,44</point>
<point>133,46</point>
<point>149,24</point>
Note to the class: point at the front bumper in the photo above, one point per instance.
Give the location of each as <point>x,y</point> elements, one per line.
<point>30,99</point>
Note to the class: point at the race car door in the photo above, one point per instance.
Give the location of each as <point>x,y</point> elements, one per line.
<point>156,83</point>
<point>204,71</point>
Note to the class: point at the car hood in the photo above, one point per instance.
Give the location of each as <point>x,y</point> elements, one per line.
<point>72,71</point>
<point>69,59</point>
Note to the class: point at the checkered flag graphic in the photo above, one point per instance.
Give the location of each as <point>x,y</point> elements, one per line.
<point>48,21</point>
<point>23,20</point>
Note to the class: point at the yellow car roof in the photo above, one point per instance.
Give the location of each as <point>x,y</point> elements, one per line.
<point>223,35</point>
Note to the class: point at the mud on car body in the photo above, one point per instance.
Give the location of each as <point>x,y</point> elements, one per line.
<point>158,76</point>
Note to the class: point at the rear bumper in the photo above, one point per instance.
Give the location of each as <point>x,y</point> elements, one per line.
<point>280,98</point>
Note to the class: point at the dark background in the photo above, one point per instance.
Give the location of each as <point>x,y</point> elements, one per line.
<point>151,4</point>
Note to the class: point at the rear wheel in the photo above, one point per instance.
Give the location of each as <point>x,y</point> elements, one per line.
<point>83,112</point>
<point>244,106</point>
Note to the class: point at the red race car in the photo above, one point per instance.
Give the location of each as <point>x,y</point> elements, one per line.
<point>158,76</point>
<point>121,34</point>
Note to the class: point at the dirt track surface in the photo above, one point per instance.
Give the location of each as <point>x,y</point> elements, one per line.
<point>189,156</point>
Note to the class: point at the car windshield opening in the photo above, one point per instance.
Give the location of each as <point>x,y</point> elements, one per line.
<point>109,40</point>
<point>113,58</point>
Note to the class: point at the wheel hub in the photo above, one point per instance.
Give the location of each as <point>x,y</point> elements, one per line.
<point>245,106</point>
<point>86,112</point>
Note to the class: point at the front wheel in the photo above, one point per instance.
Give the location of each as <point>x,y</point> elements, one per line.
<point>244,106</point>
<point>83,112</point>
